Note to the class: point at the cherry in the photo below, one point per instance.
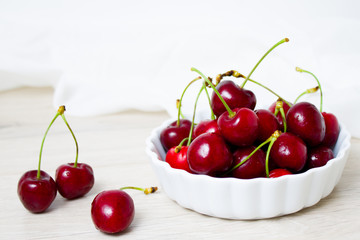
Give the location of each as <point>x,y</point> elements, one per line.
<point>37,189</point>
<point>206,126</point>
<point>173,134</point>
<point>233,95</point>
<point>289,151</point>
<point>74,180</point>
<point>176,157</point>
<point>208,154</point>
<point>319,156</point>
<point>253,167</point>
<point>113,211</point>
<point>305,120</point>
<point>36,194</point>
<point>275,173</point>
<point>332,130</point>
<point>241,129</point>
<point>278,115</point>
<point>268,124</point>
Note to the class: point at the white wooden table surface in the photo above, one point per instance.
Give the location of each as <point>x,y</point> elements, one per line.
<point>114,146</point>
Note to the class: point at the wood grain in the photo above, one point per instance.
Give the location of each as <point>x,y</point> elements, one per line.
<point>114,145</point>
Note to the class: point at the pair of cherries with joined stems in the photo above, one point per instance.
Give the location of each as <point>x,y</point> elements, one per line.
<point>37,189</point>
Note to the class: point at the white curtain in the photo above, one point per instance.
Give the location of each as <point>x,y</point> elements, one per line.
<point>107,56</point>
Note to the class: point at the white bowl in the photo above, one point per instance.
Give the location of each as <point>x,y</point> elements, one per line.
<point>257,198</point>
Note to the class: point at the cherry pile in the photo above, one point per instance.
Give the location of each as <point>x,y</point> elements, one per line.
<point>239,141</point>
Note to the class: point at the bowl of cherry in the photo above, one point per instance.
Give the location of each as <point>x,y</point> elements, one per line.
<point>244,162</point>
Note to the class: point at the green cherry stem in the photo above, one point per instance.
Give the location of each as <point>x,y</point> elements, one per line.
<point>144,190</point>
<point>76,143</point>
<point>180,101</point>
<point>178,147</point>
<point>283,117</point>
<point>59,112</point>
<point>257,64</point>
<point>231,113</point>
<point>310,90</point>
<point>273,138</point>
<point>321,92</point>
<point>209,100</point>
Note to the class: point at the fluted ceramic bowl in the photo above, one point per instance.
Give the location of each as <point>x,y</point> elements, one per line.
<point>257,198</point>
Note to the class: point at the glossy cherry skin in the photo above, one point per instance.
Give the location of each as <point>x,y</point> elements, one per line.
<point>278,116</point>
<point>112,211</point>
<point>304,120</point>
<point>36,194</point>
<point>254,167</point>
<point>290,152</point>
<point>319,156</point>
<point>279,172</point>
<point>74,182</point>
<point>209,154</point>
<point>178,159</point>
<point>268,124</point>
<point>206,126</point>
<point>234,96</point>
<point>242,129</point>
<point>332,130</point>
<point>173,134</point>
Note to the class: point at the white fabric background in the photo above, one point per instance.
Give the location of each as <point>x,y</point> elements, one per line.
<point>107,56</point>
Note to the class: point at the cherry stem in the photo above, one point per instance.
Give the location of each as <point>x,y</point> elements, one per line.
<point>321,92</point>
<point>231,113</point>
<point>178,147</point>
<point>59,112</point>
<point>180,101</point>
<point>209,100</point>
<point>283,117</point>
<point>277,44</point>
<point>145,190</point>
<point>272,138</point>
<point>177,106</point>
<point>310,90</point>
<point>248,157</point>
<point>194,113</point>
<point>76,143</point>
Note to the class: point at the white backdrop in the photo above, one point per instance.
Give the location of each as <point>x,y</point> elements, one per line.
<point>106,56</point>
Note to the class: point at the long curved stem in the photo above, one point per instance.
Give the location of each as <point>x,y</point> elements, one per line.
<point>257,64</point>
<point>209,100</point>
<point>180,101</point>
<point>194,113</point>
<point>76,143</point>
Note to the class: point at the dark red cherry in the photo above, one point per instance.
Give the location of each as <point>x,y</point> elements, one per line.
<point>289,152</point>
<point>176,157</point>
<point>319,156</point>
<point>304,120</point>
<point>268,124</point>
<point>36,194</point>
<point>112,211</point>
<point>279,172</point>
<point>73,182</point>
<point>234,96</point>
<point>332,130</point>
<point>253,167</point>
<point>242,129</point>
<point>278,116</point>
<point>206,126</point>
<point>173,134</point>
<point>209,154</point>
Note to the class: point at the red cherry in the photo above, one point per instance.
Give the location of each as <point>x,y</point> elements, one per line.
<point>332,130</point>
<point>206,126</point>
<point>241,129</point>
<point>173,134</point>
<point>254,167</point>
<point>278,173</point>
<point>289,152</point>
<point>278,116</point>
<point>304,120</point>
<point>112,211</point>
<point>268,124</point>
<point>319,156</point>
<point>73,182</point>
<point>36,194</point>
<point>177,158</point>
<point>234,96</point>
<point>209,154</point>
